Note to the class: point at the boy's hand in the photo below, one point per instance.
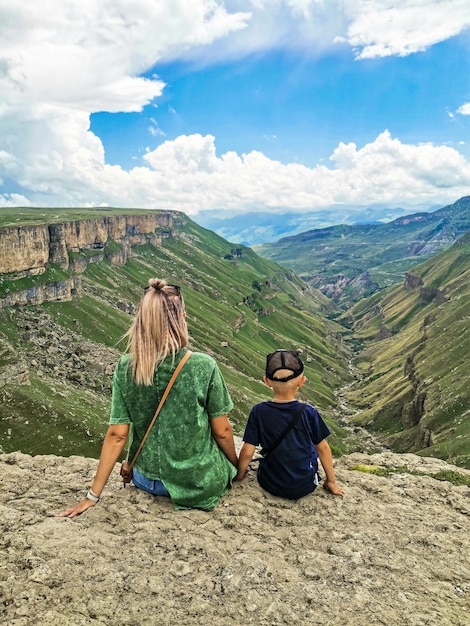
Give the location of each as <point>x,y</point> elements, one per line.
<point>333,487</point>
<point>244,458</point>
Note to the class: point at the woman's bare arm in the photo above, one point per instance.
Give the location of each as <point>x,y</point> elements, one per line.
<point>223,434</point>
<point>113,445</point>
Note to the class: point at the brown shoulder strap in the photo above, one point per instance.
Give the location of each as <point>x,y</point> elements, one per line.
<point>161,403</point>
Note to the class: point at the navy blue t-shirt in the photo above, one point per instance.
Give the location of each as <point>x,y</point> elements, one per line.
<point>290,470</point>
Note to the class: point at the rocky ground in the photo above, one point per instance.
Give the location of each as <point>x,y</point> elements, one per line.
<point>393,551</point>
<point>50,349</point>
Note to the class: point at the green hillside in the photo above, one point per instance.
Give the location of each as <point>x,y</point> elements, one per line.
<point>26,216</point>
<point>350,262</point>
<point>413,342</point>
<point>239,305</point>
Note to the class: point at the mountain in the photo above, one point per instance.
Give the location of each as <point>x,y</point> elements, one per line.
<point>394,363</point>
<point>412,343</point>
<point>69,283</point>
<point>349,262</point>
<point>253,228</point>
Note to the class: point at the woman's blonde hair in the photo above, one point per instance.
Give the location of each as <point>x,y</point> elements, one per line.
<point>159,329</point>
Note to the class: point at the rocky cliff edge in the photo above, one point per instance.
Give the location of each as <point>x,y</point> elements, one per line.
<point>394,550</point>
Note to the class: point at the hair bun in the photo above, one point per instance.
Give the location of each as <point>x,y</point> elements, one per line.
<point>157,283</point>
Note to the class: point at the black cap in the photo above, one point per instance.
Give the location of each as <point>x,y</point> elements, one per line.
<point>283,360</point>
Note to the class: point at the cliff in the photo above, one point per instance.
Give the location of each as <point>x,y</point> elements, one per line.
<point>32,250</point>
<point>392,551</point>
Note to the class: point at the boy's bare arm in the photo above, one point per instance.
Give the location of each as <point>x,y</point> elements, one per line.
<point>324,454</point>
<point>244,458</point>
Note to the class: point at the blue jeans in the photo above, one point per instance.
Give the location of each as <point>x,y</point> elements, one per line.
<point>155,487</point>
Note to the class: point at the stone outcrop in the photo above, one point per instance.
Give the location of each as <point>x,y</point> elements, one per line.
<point>56,291</point>
<point>415,406</point>
<point>335,287</point>
<point>412,281</point>
<point>426,294</point>
<point>392,551</point>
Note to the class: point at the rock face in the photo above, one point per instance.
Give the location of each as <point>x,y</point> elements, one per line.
<point>56,291</point>
<point>426,294</point>
<point>24,249</point>
<point>30,250</point>
<point>335,287</point>
<point>392,551</point>
<point>27,250</point>
<point>412,281</point>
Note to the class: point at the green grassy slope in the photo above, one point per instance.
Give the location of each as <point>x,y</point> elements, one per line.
<point>239,309</point>
<point>415,389</point>
<point>28,216</point>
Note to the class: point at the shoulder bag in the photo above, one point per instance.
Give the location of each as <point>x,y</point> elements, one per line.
<point>289,427</point>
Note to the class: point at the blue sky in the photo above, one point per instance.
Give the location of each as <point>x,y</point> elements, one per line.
<point>236,106</point>
<point>295,108</point>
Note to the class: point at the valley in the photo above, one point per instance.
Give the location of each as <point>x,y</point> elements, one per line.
<point>412,345</point>
<point>58,344</point>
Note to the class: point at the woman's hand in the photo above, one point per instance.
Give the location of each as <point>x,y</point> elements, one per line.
<point>77,509</point>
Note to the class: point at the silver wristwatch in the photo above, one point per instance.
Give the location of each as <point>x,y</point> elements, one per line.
<point>91,496</point>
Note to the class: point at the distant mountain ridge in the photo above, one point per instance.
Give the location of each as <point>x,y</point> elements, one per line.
<point>349,262</point>
<point>255,228</point>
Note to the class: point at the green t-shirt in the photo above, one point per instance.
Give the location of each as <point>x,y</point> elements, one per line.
<point>180,449</point>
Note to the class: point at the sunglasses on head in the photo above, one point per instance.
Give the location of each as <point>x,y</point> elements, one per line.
<point>177,288</point>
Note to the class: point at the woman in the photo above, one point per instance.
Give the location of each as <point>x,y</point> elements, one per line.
<point>189,454</point>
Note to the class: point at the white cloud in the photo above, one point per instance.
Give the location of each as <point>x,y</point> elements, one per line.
<point>98,49</point>
<point>388,170</point>
<point>154,129</point>
<point>400,27</point>
<point>61,60</point>
<point>14,200</point>
<point>186,174</point>
<point>306,25</point>
<point>464,109</point>
<point>373,28</point>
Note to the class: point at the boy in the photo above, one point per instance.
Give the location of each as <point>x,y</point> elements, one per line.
<point>290,469</point>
